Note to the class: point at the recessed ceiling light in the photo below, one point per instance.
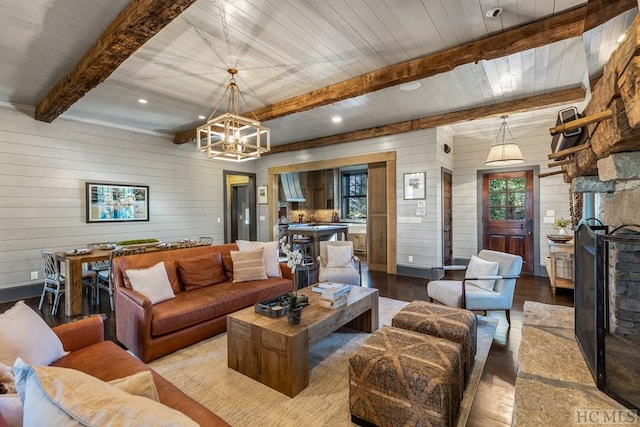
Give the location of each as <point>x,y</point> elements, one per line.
<point>336,119</point>
<point>410,86</point>
<point>142,101</point>
<point>494,12</point>
<point>621,37</point>
<point>201,117</point>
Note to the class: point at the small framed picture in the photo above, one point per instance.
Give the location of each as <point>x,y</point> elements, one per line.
<point>263,198</point>
<point>414,188</point>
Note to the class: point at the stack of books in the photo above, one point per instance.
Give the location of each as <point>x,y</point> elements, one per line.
<point>332,295</point>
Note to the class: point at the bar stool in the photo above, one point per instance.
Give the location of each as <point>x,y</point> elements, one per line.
<point>305,245</point>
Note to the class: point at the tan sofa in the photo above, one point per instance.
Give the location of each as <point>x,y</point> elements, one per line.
<point>150,331</point>
<point>105,360</point>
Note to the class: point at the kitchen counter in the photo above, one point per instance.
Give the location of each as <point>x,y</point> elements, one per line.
<point>317,232</point>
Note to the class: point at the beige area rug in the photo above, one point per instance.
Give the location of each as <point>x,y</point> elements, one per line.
<point>201,372</point>
<point>554,386</point>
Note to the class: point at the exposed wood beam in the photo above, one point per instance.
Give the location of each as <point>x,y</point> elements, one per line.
<point>571,23</point>
<point>137,23</point>
<point>600,11</point>
<point>517,105</point>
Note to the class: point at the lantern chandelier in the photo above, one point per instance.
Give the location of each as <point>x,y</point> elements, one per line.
<point>504,152</point>
<point>230,136</point>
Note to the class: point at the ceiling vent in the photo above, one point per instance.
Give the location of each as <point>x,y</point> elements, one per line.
<point>291,189</point>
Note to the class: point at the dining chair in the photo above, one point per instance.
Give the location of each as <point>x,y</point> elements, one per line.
<point>54,281</point>
<point>105,277</point>
<point>205,240</point>
<point>102,265</point>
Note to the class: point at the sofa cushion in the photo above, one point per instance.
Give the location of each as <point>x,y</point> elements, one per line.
<point>192,308</point>
<point>172,273</point>
<point>248,265</point>
<point>152,282</point>
<point>269,256</point>
<point>23,333</point>
<point>228,266</point>
<point>201,271</point>
<point>70,397</point>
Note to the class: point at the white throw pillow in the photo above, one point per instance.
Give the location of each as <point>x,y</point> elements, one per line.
<point>269,257</point>
<point>339,255</point>
<point>66,397</point>
<point>152,282</point>
<point>23,333</point>
<point>478,267</point>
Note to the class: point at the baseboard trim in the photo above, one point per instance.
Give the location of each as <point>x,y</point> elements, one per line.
<point>20,292</point>
<point>424,273</point>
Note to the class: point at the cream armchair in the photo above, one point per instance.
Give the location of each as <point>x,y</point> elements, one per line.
<point>489,283</point>
<point>337,263</point>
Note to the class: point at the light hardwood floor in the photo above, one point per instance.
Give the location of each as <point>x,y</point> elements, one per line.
<point>493,404</point>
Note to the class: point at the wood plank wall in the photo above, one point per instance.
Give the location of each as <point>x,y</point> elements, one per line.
<point>471,146</point>
<point>43,170</point>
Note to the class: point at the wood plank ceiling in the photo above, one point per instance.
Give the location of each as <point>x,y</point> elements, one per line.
<point>285,50</point>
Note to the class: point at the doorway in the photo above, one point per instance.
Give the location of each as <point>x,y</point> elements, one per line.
<point>239,206</point>
<point>508,214</point>
<point>447,218</point>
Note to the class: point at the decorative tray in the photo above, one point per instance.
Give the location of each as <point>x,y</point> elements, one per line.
<point>559,238</point>
<point>275,307</point>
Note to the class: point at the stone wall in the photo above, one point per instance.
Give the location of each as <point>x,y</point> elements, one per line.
<point>624,288</point>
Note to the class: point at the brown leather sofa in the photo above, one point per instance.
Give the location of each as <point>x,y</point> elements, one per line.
<point>150,331</point>
<point>105,360</point>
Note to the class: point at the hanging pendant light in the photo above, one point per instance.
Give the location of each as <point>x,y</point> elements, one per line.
<point>504,152</point>
<point>230,136</point>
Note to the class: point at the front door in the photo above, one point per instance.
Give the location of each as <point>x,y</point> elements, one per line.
<point>507,214</point>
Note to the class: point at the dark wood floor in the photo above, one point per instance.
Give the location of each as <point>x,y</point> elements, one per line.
<point>493,404</point>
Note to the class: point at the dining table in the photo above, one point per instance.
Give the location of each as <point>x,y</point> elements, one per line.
<point>73,277</point>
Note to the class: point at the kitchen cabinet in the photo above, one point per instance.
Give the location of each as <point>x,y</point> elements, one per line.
<point>359,241</point>
<point>318,189</point>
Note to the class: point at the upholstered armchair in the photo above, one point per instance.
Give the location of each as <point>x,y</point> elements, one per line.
<point>337,263</point>
<point>488,285</point>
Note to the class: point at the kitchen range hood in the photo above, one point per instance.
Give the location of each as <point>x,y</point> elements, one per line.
<point>291,189</point>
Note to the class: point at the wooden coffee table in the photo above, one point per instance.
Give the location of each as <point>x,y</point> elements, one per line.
<point>275,353</point>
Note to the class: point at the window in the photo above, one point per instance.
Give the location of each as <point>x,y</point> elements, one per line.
<point>354,194</point>
<point>507,199</point>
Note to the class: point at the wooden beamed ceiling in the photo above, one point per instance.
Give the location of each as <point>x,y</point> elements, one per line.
<point>142,19</point>
<point>515,106</point>
<point>138,22</point>
<point>569,24</point>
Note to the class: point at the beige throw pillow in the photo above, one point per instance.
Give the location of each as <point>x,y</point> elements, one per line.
<point>270,255</point>
<point>68,397</point>
<point>248,266</point>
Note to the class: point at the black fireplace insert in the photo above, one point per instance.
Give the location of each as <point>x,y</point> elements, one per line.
<point>607,307</point>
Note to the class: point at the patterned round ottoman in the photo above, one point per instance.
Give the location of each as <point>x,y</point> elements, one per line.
<point>455,324</point>
<point>400,377</point>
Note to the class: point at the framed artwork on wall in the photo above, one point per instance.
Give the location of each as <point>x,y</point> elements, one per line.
<point>116,202</point>
<point>414,186</point>
<point>263,198</point>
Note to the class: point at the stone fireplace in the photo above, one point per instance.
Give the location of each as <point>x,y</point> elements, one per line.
<point>607,299</point>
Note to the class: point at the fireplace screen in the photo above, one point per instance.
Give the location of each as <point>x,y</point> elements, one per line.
<point>607,308</point>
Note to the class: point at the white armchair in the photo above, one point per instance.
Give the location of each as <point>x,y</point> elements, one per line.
<point>489,283</point>
<point>337,263</point>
